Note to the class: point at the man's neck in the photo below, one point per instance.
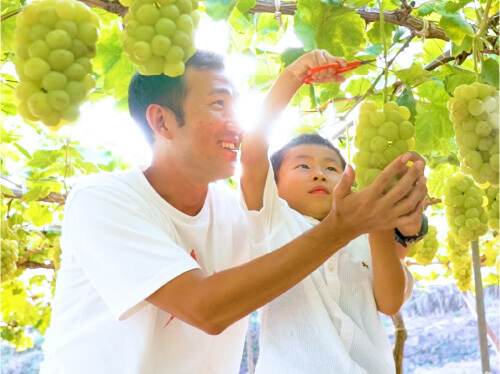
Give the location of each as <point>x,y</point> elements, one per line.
<point>177,188</point>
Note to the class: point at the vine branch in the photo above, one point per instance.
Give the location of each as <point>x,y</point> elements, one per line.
<point>398,17</point>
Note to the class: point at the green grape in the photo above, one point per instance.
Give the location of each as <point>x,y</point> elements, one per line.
<point>76,91</point>
<point>362,158</point>
<point>185,23</point>
<point>394,116</point>
<point>69,26</point>
<point>174,55</point>
<point>406,130</point>
<point>145,33</point>
<point>147,14</point>
<point>483,90</point>
<point>51,120</point>
<point>378,161</point>
<point>378,144</point>
<point>58,39</point>
<point>389,130</point>
<point>78,49</point>
<point>185,6</point>
<point>58,99</point>
<point>461,261</point>
<point>9,257</point>
<point>38,104</point>
<point>54,81</point>
<point>88,34</point>
<point>48,16</point>
<point>65,10</point>
<point>181,39</point>
<point>368,106</point>
<point>60,59</point>
<point>170,12</point>
<point>153,66</point>
<point>427,247</point>
<point>40,49</point>
<point>71,113</point>
<point>174,69</point>
<point>165,27</point>
<point>377,118</point>
<point>160,46</point>
<point>483,128</point>
<point>25,89</point>
<point>142,51</point>
<point>36,68</point>
<point>75,72</point>
<point>371,175</point>
<point>463,204</point>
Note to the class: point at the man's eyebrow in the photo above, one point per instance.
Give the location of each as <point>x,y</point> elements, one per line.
<point>224,91</point>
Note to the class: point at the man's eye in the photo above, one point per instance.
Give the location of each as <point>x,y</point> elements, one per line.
<point>219,102</point>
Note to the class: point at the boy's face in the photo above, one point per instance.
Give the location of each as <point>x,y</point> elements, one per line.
<point>307,177</point>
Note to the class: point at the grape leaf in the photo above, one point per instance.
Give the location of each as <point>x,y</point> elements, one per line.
<point>489,72</point>
<point>414,76</point>
<point>456,28</point>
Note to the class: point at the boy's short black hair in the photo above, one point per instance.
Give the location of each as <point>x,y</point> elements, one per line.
<point>278,156</point>
<point>166,91</point>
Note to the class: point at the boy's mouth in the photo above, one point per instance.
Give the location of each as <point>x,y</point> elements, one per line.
<point>319,190</point>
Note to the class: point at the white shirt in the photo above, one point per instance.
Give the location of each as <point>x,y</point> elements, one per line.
<point>329,322</point>
<point>121,242</point>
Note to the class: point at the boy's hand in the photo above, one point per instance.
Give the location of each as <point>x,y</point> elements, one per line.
<point>319,57</point>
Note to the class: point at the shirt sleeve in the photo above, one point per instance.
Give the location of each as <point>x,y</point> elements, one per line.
<point>125,255</point>
<point>409,282</point>
<point>261,223</point>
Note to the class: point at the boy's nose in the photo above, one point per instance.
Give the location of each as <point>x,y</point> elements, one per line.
<point>319,176</point>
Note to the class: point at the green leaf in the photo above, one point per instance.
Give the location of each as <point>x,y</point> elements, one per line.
<point>267,24</point>
<point>408,100</point>
<point>289,55</point>
<point>414,76</point>
<point>489,72</point>
<point>433,49</point>
<point>425,9</point>
<point>342,33</point>
<point>305,21</point>
<point>433,129</point>
<point>219,9</point>
<point>8,27</point>
<point>454,76</point>
<point>36,193</point>
<point>358,86</point>
<point>22,150</point>
<point>245,5</point>
<point>456,28</point>
<point>39,214</point>
<point>375,36</point>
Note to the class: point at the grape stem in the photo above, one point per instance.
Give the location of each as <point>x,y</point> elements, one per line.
<point>384,44</point>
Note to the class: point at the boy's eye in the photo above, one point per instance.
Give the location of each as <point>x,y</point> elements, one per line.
<point>302,166</point>
<point>331,168</point>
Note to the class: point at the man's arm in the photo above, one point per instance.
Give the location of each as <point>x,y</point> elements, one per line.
<point>212,303</point>
<point>255,146</point>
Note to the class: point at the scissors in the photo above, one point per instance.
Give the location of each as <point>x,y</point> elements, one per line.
<point>338,70</point>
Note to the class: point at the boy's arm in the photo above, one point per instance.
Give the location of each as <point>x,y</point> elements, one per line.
<point>255,146</point>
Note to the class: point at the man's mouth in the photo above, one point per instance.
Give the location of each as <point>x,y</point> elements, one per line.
<point>228,145</point>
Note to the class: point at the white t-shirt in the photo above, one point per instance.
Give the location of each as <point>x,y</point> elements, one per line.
<point>121,242</point>
<point>329,322</point>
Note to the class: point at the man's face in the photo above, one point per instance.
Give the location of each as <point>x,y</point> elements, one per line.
<point>211,136</point>
<point>307,177</point>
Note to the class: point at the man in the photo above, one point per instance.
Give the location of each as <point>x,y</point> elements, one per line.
<point>154,275</point>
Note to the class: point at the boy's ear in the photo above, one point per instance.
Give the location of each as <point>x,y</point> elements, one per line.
<point>161,120</point>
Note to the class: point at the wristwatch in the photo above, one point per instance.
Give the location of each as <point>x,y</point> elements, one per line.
<point>405,240</point>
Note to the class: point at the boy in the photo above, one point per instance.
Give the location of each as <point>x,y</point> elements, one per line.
<point>329,322</point>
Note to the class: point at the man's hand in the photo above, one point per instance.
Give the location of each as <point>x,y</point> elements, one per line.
<point>298,69</point>
<point>373,208</point>
<point>413,227</point>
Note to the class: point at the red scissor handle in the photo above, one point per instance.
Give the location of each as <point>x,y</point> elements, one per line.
<point>349,66</point>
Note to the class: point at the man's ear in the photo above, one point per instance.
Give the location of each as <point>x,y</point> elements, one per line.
<point>161,120</point>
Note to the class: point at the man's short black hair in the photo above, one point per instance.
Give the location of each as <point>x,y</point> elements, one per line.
<point>166,91</point>
<point>278,156</point>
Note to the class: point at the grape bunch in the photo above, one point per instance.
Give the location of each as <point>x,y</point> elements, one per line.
<point>9,259</point>
<point>465,211</point>
<point>381,136</point>
<point>461,262</point>
<point>425,249</point>
<point>158,36</point>
<point>55,42</point>
<point>493,216</point>
<point>474,112</point>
